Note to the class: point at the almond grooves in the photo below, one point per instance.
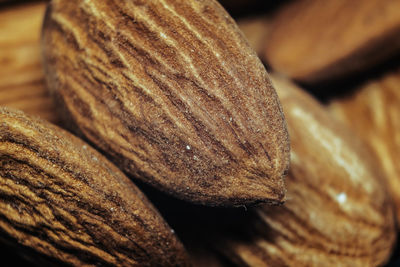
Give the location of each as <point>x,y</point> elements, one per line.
<point>61,198</point>
<point>337,212</point>
<point>172,92</point>
<point>373,114</point>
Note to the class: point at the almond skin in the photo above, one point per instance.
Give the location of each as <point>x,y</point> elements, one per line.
<point>372,112</point>
<point>337,211</point>
<point>62,199</point>
<point>171,91</point>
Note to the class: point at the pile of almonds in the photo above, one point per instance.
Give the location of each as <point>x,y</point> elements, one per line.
<point>149,133</point>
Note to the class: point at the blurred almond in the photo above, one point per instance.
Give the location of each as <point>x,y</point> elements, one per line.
<point>22,83</point>
<point>337,211</point>
<point>373,113</point>
<point>313,41</point>
<point>256,30</point>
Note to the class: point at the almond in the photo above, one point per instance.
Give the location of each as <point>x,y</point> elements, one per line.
<point>22,84</point>
<point>373,114</point>
<point>171,91</point>
<point>337,211</point>
<point>62,199</point>
<point>313,41</point>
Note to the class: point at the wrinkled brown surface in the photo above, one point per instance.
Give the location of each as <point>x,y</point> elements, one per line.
<point>22,83</point>
<point>173,93</point>
<point>373,113</point>
<point>61,198</point>
<point>312,40</point>
<point>337,211</point>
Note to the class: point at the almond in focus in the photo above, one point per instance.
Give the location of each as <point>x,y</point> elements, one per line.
<point>64,201</point>
<point>171,91</point>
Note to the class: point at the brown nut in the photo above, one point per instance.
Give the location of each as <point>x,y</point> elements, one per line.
<point>174,95</point>
<point>314,41</point>
<point>337,211</point>
<point>22,84</point>
<point>373,114</point>
<point>62,199</point>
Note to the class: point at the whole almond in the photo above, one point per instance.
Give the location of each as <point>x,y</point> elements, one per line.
<point>172,92</point>
<point>62,199</point>
<point>337,211</point>
<point>314,41</point>
<point>22,84</point>
<point>373,114</point>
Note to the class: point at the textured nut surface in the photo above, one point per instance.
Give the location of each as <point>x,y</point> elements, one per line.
<point>313,40</point>
<point>373,112</point>
<point>173,93</point>
<point>22,84</point>
<point>61,198</point>
<point>337,213</point>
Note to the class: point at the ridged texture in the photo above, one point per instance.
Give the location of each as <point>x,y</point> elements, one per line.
<point>173,93</point>
<point>337,211</point>
<point>313,41</point>
<point>61,198</point>
<point>373,113</point>
<point>22,82</point>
